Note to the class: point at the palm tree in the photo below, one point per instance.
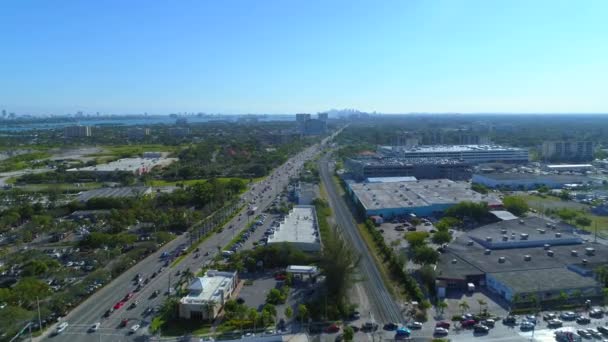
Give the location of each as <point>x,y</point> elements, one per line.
<point>481,303</point>
<point>464,306</point>
<point>442,305</point>
<point>187,276</point>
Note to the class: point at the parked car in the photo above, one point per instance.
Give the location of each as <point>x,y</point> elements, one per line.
<point>549,316</point>
<point>402,332</point>
<point>415,325</point>
<point>509,320</point>
<point>554,323</point>
<point>526,325</point>
<point>123,323</point>
<point>568,316</point>
<point>467,323</point>
<point>333,328</point>
<point>583,333</point>
<point>488,322</point>
<point>440,331</point>
<point>480,329</point>
<point>583,320</point>
<point>596,313</point>
<point>443,324</point>
<point>134,329</point>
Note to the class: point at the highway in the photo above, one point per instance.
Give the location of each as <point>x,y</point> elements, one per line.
<point>92,310</point>
<point>386,309</point>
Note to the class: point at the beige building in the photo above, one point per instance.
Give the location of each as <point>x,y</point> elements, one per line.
<point>207,295</point>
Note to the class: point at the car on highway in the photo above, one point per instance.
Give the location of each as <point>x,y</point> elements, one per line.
<point>134,329</point>
<point>118,305</point>
<point>123,323</point>
<point>440,331</point>
<point>133,305</point>
<point>390,326</point>
<point>61,327</point>
<point>128,296</point>
<point>94,327</point>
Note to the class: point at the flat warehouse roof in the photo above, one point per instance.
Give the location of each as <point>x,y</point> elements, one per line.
<point>298,227</point>
<point>114,192</point>
<point>453,148</point>
<point>534,177</point>
<point>421,193</point>
<point>550,279</point>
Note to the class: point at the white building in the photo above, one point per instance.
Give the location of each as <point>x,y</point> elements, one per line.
<point>467,153</point>
<point>207,295</point>
<point>299,229</point>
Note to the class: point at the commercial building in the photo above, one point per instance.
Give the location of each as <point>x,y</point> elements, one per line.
<point>569,167</point>
<point>466,153</point>
<point>309,126</point>
<point>138,133</point>
<point>299,229</point>
<point>135,165</point>
<point>76,131</point>
<point>521,259</point>
<point>123,192</point>
<point>421,168</point>
<point>564,150</point>
<point>207,295</point>
<point>420,197</point>
<point>529,181</point>
<point>473,139</point>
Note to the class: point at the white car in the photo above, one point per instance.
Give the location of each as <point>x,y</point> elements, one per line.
<point>415,325</point>
<point>134,328</point>
<point>94,327</point>
<point>440,331</point>
<point>526,325</point>
<point>61,327</point>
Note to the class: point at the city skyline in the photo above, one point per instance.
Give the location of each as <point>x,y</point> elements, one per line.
<point>281,58</point>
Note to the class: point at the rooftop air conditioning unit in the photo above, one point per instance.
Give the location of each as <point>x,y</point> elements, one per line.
<point>489,239</point>
<point>454,261</point>
<point>550,253</point>
<point>573,253</point>
<point>542,231</point>
<point>590,251</point>
<point>547,246</point>
<point>527,257</point>
<point>487,251</point>
<point>503,231</point>
<point>470,243</point>
<point>501,260</point>
<point>558,235</point>
<point>523,236</point>
<point>521,222</point>
<point>505,238</point>
<point>584,261</point>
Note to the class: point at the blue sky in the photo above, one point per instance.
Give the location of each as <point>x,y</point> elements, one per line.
<point>290,56</point>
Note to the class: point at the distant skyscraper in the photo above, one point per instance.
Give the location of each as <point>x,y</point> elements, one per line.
<point>568,150</point>
<point>4,113</point>
<point>77,131</point>
<point>323,116</point>
<point>300,118</point>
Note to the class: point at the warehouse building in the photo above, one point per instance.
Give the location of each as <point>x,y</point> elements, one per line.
<point>207,295</point>
<point>421,168</point>
<point>420,197</point>
<point>136,165</point>
<point>527,181</point>
<point>121,192</point>
<point>299,229</point>
<point>465,153</point>
<point>518,259</point>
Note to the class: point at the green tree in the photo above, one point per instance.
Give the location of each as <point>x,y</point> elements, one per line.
<point>348,334</point>
<point>288,312</point>
<point>416,239</point>
<point>441,237</point>
<point>515,205</point>
<point>302,313</point>
<point>27,290</point>
<point>442,305</point>
<point>425,255</point>
<point>583,221</point>
<point>464,306</point>
<point>482,303</point>
<point>275,296</point>
<point>339,264</point>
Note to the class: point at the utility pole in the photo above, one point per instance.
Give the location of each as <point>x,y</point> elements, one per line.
<point>39,320</point>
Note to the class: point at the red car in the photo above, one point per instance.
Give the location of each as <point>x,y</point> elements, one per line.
<point>119,305</point>
<point>466,323</point>
<point>332,329</point>
<point>280,276</point>
<point>443,324</point>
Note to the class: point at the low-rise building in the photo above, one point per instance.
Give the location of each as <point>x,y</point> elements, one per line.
<point>207,295</point>
<point>421,168</point>
<point>299,229</point>
<point>527,181</point>
<point>77,131</point>
<point>420,197</point>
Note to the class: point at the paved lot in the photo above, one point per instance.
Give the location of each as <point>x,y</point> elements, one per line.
<point>255,295</point>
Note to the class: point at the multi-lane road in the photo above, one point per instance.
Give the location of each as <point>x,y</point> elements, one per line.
<point>384,306</point>
<point>92,310</point>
